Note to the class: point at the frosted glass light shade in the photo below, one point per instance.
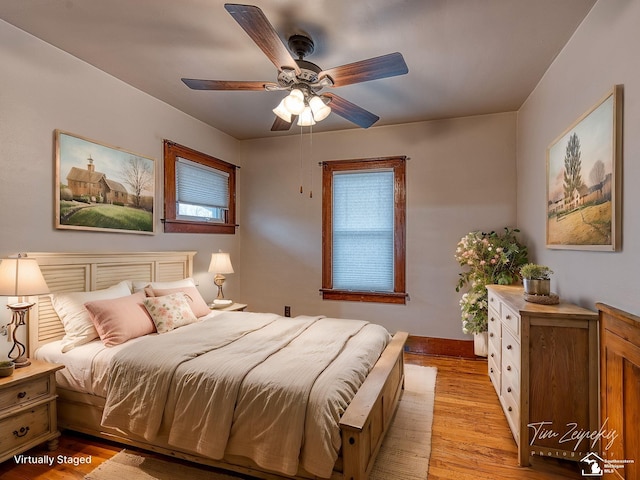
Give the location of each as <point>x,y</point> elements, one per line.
<point>306,118</point>
<point>282,112</point>
<point>294,102</point>
<point>220,263</point>
<point>319,108</point>
<point>21,277</point>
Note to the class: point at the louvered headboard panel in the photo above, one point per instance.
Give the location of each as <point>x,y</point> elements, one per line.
<point>81,272</point>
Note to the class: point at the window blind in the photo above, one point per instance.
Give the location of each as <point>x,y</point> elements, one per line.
<point>201,185</point>
<point>363,231</point>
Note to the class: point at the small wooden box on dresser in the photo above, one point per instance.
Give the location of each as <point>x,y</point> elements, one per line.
<point>543,363</point>
<point>28,409</point>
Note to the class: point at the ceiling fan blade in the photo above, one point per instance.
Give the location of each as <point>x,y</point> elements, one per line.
<point>280,125</point>
<point>255,23</point>
<point>196,84</point>
<point>384,66</point>
<point>351,111</point>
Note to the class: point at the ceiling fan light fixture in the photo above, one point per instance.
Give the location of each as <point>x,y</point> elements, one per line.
<point>320,109</point>
<point>294,102</point>
<point>306,118</point>
<point>282,112</point>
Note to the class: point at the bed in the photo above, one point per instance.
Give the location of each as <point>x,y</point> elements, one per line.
<point>361,425</point>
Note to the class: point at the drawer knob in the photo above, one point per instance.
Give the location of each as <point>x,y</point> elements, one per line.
<point>491,334</point>
<point>21,395</point>
<point>509,367</point>
<point>509,389</point>
<point>21,433</point>
<point>508,317</point>
<point>492,319</point>
<point>492,355</point>
<point>510,409</point>
<point>491,370</point>
<point>509,347</point>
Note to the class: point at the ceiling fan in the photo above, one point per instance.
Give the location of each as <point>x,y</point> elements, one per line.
<point>304,80</point>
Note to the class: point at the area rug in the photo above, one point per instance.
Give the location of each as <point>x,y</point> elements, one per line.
<point>404,454</point>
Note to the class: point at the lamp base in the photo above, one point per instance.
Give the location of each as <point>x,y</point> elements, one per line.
<point>21,362</point>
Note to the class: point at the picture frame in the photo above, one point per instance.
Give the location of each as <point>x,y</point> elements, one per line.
<point>103,188</point>
<point>584,166</point>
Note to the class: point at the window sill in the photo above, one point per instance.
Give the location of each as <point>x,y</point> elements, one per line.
<point>353,296</point>
<point>183,226</point>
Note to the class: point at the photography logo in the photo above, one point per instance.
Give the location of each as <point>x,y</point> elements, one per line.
<point>592,465</point>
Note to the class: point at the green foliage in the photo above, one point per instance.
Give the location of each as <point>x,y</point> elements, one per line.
<point>533,271</point>
<point>486,258</point>
<point>111,216</point>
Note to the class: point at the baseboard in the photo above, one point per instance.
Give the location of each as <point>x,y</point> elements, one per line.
<point>443,347</point>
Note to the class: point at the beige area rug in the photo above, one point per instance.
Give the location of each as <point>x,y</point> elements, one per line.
<point>404,454</point>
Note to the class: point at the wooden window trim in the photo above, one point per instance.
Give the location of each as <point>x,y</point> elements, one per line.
<point>174,225</point>
<point>398,165</point>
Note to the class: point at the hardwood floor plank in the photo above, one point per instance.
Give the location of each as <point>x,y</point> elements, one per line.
<point>471,439</point>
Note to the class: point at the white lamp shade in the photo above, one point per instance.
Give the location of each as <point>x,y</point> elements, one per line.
<point>21,277</point>
<point>319,108</point>
<point>220,263</point>
<point>306,118</point>
<point>282,112</point>
<point>294,102</point>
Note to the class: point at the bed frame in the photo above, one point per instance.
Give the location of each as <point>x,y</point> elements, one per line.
<point>363,425</point>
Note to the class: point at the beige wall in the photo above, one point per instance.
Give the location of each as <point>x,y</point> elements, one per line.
<point>602,53</point>
<point>460,177</point>
<point>43,89</point>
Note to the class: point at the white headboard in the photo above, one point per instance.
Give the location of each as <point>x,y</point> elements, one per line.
<point>82,272</point>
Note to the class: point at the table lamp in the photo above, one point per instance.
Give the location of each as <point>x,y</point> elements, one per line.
<point>220,264</point>
<point>20,277</point>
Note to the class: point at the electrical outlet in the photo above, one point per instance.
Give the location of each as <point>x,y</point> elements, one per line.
<point>287,311</point>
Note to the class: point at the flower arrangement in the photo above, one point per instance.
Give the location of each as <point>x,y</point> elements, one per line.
<point>486,258</point>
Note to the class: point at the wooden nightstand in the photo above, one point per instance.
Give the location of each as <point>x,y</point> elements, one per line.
<point>234,307</point>
<point>28,409</point>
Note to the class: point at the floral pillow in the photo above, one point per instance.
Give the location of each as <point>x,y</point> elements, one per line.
<point>169,311</point>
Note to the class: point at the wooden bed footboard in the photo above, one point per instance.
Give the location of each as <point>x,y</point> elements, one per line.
<point>369,414</point>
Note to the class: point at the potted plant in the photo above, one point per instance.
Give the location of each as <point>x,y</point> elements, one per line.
<point>486,258</point>
<point>536,279</point>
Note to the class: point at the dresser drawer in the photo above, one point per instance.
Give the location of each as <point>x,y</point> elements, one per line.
<point>510,349</point>
<point>494,352</point>
<point>494,374</point>
<point>24,427</point>
<point>510,384</point>
<point>494,302</point>
<point>511,319</point>
<point>512,412</point>
<point>24,392</point>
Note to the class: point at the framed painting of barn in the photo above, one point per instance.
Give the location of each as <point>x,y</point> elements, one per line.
<point>584,178</point>
<point>102,188</point>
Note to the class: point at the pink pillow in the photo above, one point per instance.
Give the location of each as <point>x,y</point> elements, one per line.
<point>194,299</point>
<point>120,319</point>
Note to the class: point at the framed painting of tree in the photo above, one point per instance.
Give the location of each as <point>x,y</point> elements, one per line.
<point>583,180</point>
<point>102,188</point>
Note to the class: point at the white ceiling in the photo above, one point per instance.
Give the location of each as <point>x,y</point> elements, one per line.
<point>465,57</point>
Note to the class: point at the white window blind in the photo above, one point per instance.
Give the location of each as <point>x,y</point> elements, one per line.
<point>363,231</point>
<point>201,191</point>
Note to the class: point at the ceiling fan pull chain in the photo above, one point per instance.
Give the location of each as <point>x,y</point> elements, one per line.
<point>301,164</point>
<point>310,161</point>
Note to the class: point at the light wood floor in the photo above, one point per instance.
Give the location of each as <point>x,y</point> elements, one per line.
<point>471,439</point>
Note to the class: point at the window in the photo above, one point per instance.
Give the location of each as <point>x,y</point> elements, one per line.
<point>363,230</point>
<point>199,192</point>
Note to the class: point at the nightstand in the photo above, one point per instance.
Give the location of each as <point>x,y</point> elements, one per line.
<point>234,307</point>
<point>28,409</point>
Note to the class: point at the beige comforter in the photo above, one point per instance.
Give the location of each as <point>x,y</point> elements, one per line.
<point>264,387</point>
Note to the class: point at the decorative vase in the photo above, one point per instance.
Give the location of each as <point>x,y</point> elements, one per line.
<point>481,344</point>
<point>537,287</point>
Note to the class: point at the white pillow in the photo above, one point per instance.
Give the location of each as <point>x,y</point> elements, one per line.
<point>141,285</point>
<point>75,317</point>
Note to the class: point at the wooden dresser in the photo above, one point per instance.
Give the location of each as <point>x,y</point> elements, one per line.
<point>620,391</point>
<point>543,363</point>
<point>28,409</point>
